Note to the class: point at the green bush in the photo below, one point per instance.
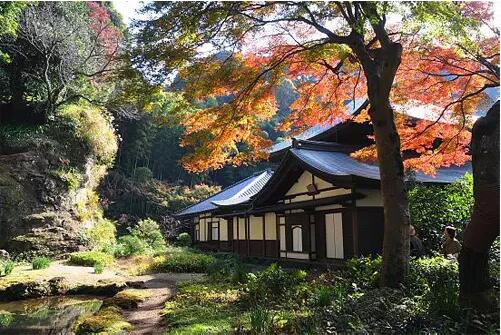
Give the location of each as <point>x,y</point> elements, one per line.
<point>183,240</point>
<point>70,176</point>
<point>364,272</point>
<point>436,279</point>
<point>130,245</point>
<point>434,206</point>
<point>94,129</point>
<point>90,258</point>
<point>102,235</point>
<point>275,286</point>
<point>40,263</point>
<point>6,267</point>
<point>186,261</point>
<point>98,268</point>
<point>148,231</point>
<point>261,321</point>
<point>323,296</point>
<point>228,269</point>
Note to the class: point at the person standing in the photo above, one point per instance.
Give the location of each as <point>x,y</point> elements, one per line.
<point>451,246</point>
<point>416,246</point>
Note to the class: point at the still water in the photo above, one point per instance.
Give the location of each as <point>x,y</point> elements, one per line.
<point>52,315</point>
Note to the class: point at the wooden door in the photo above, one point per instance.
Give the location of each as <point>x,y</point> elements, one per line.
<point>334,235</point>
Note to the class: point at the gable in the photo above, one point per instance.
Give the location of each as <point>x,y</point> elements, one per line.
<point>299,190</point>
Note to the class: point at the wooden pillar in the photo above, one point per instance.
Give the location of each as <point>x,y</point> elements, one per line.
<point>354,220</point>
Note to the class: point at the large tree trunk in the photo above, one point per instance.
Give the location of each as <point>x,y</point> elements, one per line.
<point>483,228</point>
<point>396,210</point>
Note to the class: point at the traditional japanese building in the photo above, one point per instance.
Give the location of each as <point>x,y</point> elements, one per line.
<point>318,204</point>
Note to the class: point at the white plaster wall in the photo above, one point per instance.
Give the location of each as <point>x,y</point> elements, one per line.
<point>241,228</point>
<point>256,227</point>
<point>373,198</point>
<point>306,179</point>
<point>223,230</point>
<point>322,183</point>
<point>300,185</point>
<point>235,224</point>
<point>332,193</point>
<point>270,226</point>
<point>327,207</point>
<point>203,231</point>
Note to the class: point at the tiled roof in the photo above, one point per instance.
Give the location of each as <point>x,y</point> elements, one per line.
<point>412,109</point>
<point>341,164</point>
<point>232,195</point>
<point>318,129</point>
<point>246,193</point>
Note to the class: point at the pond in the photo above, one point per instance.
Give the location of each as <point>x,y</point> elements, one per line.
<point>52,315</point>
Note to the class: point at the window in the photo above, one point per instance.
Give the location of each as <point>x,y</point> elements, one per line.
<point>197,232</point>
<point>297,238</point>
<point>215,231</point>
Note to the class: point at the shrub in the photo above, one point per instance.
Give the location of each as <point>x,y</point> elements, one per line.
<point>98,268</point>
<point>187,261</point>
<point>148,231</point>
<point>93,128</point>
<point>228,269</point>
<point>102,235</point>
<point>184,240</point>
<point>6,267</point>
<point>275,286</point>
<point>90,258</point>
<point>70,176</point>
<point>364,272</point>
<point>436,280</point>
<point>261,321</point>
<point>40,263</point>
<point>434,206</point>
<point>130,245</point>
<point>323,296</point>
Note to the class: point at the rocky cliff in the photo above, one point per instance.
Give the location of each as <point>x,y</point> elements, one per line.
<point>47,179</point>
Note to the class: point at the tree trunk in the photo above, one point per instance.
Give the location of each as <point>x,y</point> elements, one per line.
<point>396,209</point>
<point>483,228</point>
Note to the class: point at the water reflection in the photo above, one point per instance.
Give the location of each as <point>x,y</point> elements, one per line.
<point>52,315</point>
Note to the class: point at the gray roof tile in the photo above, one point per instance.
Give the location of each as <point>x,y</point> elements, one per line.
<point>341,164</point>
<point>232,195</point>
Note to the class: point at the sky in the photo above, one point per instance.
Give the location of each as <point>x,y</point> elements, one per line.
<point>127,9</point>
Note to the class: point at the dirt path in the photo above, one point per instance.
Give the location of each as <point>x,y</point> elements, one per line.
<point>147,318</point>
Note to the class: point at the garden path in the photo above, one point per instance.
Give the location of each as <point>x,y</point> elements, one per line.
<point>147,318</point>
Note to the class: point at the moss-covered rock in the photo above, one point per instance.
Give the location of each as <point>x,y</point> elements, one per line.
<point>128,299</point>
<point>101,288</point>
<point>34,289</point>
<point>108,320</point>
<point>47,176</point>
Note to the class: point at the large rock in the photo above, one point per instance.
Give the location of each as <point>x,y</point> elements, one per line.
<point>45,179</point>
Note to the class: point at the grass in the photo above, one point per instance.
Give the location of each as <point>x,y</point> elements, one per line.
<point>6,267</point>
<point>40,263</point>
<point>205,308</point>
<point>90,258</point>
